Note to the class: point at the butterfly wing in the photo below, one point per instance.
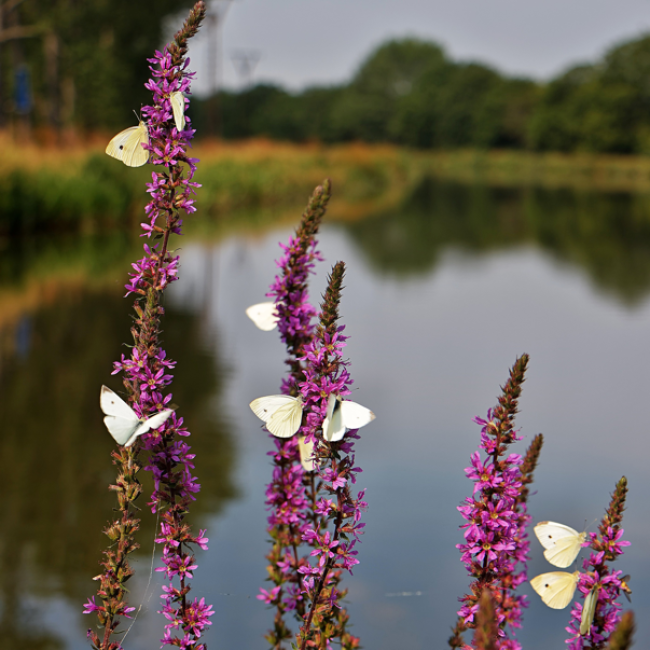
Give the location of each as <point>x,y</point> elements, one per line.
<point>115,147</point>
<point>112,404</point>
<point>333,427</point>
<point>134,155</point>
<point>343,415</point>
<point>588,611</point>
<point>286,420</point>
<point>264,315</point>
<point>306,454</point>
<point>565,551</point>
<point>556,588</point>
<point>549,532</point>
<point>264,407</point>
<point>282,414</point>
<point>148,425</point>
<point>354,415</point>
<point>562,543</point>
<point>178,108</point>
<point>121,420</point>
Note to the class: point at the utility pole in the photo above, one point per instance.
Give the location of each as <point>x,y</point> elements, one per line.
<point>245,62</point>
<point>216,16</point>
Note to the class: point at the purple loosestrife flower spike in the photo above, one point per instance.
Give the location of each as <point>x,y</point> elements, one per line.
<point>606,546</point>
<point>147,374</point>
<point>295,312</point>
<point>496,547</point>
<point>333,549</point>
<point>285,494</point>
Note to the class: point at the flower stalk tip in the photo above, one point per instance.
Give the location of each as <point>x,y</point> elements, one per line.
<point>621,638</point>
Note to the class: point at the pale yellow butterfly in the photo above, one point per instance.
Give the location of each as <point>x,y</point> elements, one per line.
<point>264,315</point>
<point>127,145</point>
<point>588,611</point>
<point>121,420</point>
<point>306,454</point>
<point>556,588</point>
<point>562,543</point>
<point>178,108</point>
<point>281,414</point>
<point>343,415</point>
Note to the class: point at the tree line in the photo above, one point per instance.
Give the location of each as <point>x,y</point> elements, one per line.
<point>73,63</point>
<point>409,92</point>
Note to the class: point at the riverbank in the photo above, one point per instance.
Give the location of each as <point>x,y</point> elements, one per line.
<point>79,188</point>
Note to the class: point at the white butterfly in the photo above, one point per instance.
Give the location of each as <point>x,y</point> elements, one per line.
<point>282,414</point>
<point>264,315</point>
<point>121,420</point>
<point>588,611</point>
<point>306,454</point>
<point>556,588</point>
<point>562,543</point>
<point>178,108</point>
<point>127,145</point>
<point>343,415</point>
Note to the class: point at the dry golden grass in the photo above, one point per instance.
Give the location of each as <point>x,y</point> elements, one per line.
<point>310,161</point>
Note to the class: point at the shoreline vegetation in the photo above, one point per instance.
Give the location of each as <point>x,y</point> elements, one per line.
<point>78,188</point>
<point>77,193</point>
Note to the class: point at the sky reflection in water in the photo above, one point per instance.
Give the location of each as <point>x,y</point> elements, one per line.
<point>430,345</point>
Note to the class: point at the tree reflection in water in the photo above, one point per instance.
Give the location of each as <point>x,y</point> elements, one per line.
<point>606,234</point>
<point>56,452</point>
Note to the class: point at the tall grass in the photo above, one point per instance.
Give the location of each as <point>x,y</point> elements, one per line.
<point>80,188</point>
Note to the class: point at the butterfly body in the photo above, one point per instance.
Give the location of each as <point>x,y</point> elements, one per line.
<point>122,421</point>
<point>127,145</point>
<point>282,414</point>
<point>561,543</point>
<point>343,415</point>
<point>556,588</point>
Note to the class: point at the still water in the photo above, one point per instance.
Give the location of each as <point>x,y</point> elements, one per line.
<point>440,297</point>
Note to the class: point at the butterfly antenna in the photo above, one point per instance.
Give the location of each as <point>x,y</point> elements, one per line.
<point>146,598</point>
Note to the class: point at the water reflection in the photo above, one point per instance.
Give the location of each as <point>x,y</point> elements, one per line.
<point>431,340</point>
<point>606,234</point>
<point>56,453</point>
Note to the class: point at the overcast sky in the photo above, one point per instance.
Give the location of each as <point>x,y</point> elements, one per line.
<point>305,42</point>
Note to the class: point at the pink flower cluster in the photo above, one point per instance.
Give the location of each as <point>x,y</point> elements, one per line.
<point>606,545</point>
<point>495,535</point>
<point>496,547</point>
<point>147,370</point>
<point>326,374</point>
<point>286,497</point>
<point>289,289</point>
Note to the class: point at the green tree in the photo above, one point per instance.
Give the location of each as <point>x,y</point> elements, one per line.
<point>366,107</point>
<point>93,71</point>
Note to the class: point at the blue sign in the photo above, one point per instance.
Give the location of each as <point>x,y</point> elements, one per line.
<point>22,91</point>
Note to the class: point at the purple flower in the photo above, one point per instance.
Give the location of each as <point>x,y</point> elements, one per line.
<point>495,550</point>
<point>286,499</point>
<point>147,373</point>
